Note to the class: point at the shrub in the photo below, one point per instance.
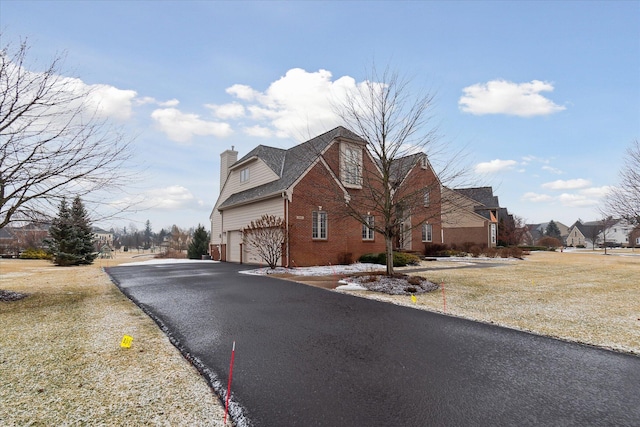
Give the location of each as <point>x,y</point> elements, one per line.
<point>400,259</point>
<point>435,249</point>
<point>33,253</point>
<point>171,253</point>
<point>475,251</point>
<point>491,252</point>
<point>549,242</point>
<point>369,258</point>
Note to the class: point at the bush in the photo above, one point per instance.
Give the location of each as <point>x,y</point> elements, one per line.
<point>33,253</point>
<point>491,252</point>
<point>171,253</point>
<point>549,242</point>
<point>400,259</point>
<point>435,249</point>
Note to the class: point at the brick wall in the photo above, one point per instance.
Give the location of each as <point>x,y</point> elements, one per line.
<point>344,234</point>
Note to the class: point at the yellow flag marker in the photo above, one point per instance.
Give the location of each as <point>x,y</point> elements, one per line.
<point>126,341</point>
<point>413,298</point>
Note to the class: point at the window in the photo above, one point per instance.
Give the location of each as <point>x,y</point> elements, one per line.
<point>426,198</point>
<point>427,233</point>
<point>351,165</point>
<point>367,229</point>
<point>493,233</point>
<point>244,175</point>
<point>319,225</point>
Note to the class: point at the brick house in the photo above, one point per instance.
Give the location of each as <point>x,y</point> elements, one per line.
<point>472,215</point>
<point>308,187</point>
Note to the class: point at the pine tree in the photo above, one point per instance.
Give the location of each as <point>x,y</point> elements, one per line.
<point>84,234</point>
<point>199,244</point>
<point>71,241</point>
<point>553,230</point>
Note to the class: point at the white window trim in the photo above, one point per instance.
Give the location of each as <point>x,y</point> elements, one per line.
<point>427,198</point>
<point>368,233</point>
<point>427,233</point>
<point>316,225</point>
<point>357,150</point>
<point>244,175</point>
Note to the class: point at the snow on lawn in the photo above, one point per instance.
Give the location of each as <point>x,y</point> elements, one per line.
<point>326,270</point>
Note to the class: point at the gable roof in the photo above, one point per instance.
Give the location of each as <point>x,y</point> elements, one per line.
<point>289,165</point>
<point>483,195</point>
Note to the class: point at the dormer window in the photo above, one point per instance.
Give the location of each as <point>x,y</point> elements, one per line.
<point>351,165</point>
<point>244,175</point>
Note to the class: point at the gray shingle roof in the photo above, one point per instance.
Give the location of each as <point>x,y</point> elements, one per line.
<point>289,165</point>
<point>483,195</point>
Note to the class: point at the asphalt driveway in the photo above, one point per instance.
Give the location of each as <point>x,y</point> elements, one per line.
<point>307,356</point>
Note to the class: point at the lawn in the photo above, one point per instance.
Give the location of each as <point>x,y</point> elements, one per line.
<point>578,296</point>
<point>61,362</point>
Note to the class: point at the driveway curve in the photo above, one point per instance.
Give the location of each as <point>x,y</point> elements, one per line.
<point>307,356</point>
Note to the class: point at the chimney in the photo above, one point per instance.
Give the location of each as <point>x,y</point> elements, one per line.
<point>227,158</point>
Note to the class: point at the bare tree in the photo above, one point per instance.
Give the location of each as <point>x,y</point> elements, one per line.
<point>52,140</point>
<point>395,123</point>
<point>266,236</point>
<point>624,200</point>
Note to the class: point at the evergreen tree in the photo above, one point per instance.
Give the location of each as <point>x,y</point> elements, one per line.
<point>199,244</point>
<point>148,233</point>
<point>553,230</point>
<point>71,241</point>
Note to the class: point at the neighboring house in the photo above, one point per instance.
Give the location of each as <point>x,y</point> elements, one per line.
<point>14,240</point>
<point>307,186</point>
<point>616,233</point>
<point>470,215</point>
<point>537,231</point>
<point>102,238</point>
<point>584,234</point>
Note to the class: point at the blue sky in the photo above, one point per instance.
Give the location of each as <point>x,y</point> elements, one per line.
<point>544,96</point>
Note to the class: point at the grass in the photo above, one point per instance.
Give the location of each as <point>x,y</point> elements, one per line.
<point>61,360</point>
<point>579,296</point>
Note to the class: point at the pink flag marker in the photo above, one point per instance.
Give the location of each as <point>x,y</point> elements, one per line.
<point>226,406</point>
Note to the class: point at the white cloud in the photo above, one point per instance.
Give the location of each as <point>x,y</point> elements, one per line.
<point>505,97</point>
<point>552,170</point>
<point>110,101</point>
<point>150,100</point>
<point>181,127</point>
<point>233,110</point>
<point>536,198</point>
<point>576,200</point>
<point>494,166</point>
<point>172,198</point>
<point>597,192</point>
<point>258,131</point>
<point>298,105</point>
<point>243,92</point>
<point>571,184</point>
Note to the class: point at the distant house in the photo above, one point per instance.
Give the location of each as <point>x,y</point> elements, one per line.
<point>584,234</point>
<point>102,238</point>
<point>307,186</point>
<point>470,215</point>
<point>616,233</point>
<point>537,231</point>
<point>14,240</point>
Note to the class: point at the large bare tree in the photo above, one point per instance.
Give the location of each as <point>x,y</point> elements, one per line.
<point>53,142</point>
<point>395,121</point>
<point>624,200</point>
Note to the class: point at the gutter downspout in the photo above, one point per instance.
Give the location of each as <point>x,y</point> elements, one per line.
<point>286,222</point>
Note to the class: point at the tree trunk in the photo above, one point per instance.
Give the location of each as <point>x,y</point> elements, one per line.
<point>389,245</point>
